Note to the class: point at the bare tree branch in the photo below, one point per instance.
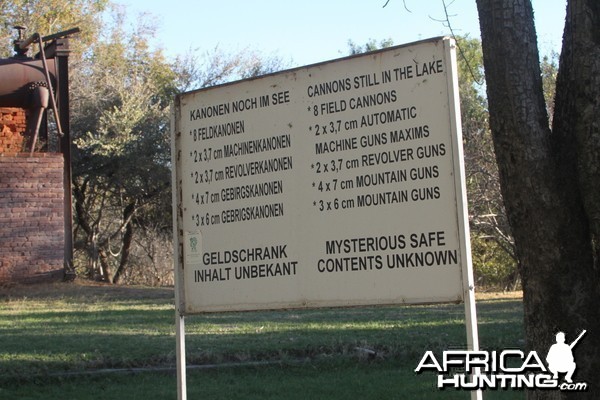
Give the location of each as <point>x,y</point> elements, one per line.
<point>462,54</point>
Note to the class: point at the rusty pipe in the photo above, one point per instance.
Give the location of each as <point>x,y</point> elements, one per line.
<point>24,44</point>
<point>49,85</point>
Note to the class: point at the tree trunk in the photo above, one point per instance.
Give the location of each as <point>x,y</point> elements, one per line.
<point>577,106</point>
<point>576,137</point>
<point>127,240</point>
<point>105,263</point>
<point>544,201</point>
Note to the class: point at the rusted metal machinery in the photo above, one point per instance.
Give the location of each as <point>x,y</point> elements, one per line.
<point>30,83</point>
<point>36,84</point>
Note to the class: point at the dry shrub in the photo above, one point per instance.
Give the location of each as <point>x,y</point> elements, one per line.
<point>151,260</point>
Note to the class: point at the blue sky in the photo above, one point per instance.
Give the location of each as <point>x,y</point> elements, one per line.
<point>309,31</point>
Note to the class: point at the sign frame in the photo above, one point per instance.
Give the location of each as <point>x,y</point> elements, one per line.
<point>180,236</point>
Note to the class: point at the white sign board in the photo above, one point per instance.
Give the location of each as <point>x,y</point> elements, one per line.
<point>335,184</point>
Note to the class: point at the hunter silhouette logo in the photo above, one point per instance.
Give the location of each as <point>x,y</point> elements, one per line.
<point>560,357</point>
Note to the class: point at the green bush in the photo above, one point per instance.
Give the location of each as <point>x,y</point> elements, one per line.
<point>493,266</point>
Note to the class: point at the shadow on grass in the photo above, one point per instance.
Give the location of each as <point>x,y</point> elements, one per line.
<point>37,344</point>
<point>321,380</point>
<point>367,353</point>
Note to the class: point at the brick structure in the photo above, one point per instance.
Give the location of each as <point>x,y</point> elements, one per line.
<point>12,128</point>
<point>31,217</point>
<point>36,239</point>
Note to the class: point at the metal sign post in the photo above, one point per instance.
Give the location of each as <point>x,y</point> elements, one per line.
<point>178,257</point>
<point>463,212</point>
<point>335,184</point>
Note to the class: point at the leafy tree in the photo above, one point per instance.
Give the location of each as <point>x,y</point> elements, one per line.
<point>122,95</point>
<point>549,172</point>
<point>490,232</point>
<point>50,16</point>
<point>549,74</point>
<point>371,45</point>
<point>121,91</point>
<point>217,66</point>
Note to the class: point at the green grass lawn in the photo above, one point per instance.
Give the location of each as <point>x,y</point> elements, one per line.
<point>56,338</point>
